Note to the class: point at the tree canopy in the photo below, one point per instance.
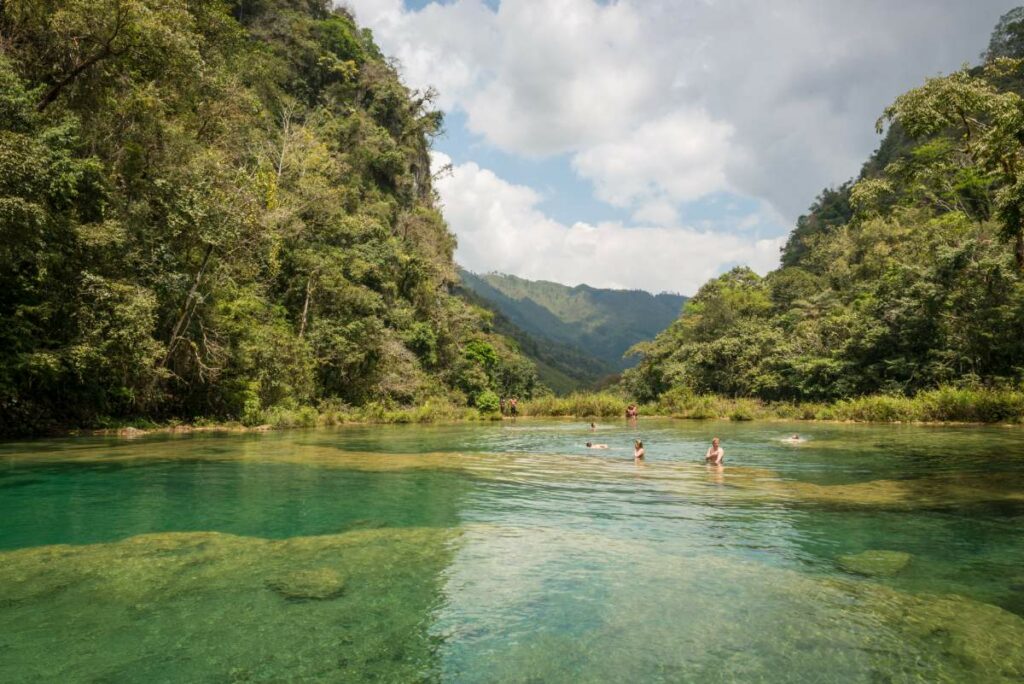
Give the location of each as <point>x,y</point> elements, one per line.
<point>213,208</point>
<point>909,278</point>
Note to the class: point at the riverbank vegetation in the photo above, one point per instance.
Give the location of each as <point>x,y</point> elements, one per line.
<point>945,404</point>
<point>224,211</point>
<point>942,405</point>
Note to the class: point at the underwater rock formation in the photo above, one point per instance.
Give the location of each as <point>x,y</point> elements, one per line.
<point>195,606</point>
<point>875,562</point>
<point>309,584</point>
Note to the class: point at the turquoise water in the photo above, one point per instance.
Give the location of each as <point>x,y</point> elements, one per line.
<point>509,552</point>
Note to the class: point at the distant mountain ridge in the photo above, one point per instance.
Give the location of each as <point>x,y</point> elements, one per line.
<point>600,323</point>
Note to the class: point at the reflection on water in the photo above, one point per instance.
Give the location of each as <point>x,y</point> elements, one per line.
<point>513,553</point>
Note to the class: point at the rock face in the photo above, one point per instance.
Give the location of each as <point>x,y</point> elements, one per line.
<point>874,562</point>
<point>315,584</point>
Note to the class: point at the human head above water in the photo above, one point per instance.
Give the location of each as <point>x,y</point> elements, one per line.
<point>715,441</point>
<point>638,444</point>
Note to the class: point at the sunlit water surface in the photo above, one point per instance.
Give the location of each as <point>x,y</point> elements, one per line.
<point>511,553</point>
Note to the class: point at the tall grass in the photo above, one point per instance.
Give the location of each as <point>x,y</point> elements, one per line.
<point>430,411</point>
<point>578,404</point>
<point>946,404</point>
<point>685,404</point>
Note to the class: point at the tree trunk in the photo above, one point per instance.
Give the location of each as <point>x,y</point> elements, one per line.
<point>305,306</point>
<point>1018,250</point>
<point>185,308</point>
<point>104,52</point>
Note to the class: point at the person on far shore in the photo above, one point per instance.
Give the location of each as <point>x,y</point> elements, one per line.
<point>591,445</point>
<point>638,450</point>
<point>632,412</point>
<point>716,453</point>
<point>501,405</point>
<point>513,407</point>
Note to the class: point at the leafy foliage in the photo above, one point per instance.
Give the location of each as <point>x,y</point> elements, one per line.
<point>223,210</point>
<point>1008,37</point>
<point>909,279</point>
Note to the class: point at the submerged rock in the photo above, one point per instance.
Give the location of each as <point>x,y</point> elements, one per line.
<point>207,606</point>
<point>315,584</point>
<point>935,491</point>
<point>875,562</point>
<point>976,641</point>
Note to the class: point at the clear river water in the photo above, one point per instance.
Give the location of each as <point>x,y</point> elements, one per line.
<point>511,553</point>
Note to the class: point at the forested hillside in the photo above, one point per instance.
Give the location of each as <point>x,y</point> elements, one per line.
<point>909,278</point>
<point>602,323</point>
<point>561,367</point>
<point>210,209</point>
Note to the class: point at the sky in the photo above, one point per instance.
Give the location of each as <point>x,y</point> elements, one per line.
<point>654,144</point>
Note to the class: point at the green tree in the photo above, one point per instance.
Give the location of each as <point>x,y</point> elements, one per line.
<point>988,126</point>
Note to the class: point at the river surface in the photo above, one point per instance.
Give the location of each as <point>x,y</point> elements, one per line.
<point>511,553</point>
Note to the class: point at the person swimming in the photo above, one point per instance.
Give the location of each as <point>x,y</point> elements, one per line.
<point>593,426</point>
<point>795,439</point>
<point>638,450</point>
<point>591,445</point>
<point>716,453</point>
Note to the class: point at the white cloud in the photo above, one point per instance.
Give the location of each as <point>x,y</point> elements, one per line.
<point>656,212</point>
<point>679,157</point>
<point>749,222</point>
<point>771,99</point>
<point>656,103</point>
<point>500,227</point>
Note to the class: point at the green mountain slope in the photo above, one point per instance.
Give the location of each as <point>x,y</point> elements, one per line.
<point>562,368</point>
<point>907,279</point>
<point>600,323</point>
<point>220,209</point>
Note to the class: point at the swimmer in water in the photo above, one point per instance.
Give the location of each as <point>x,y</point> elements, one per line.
<point>795,439</point>
<point>638,450</point>
<point>593,426</point>
<point>716,453</point>
<point>591,445</point>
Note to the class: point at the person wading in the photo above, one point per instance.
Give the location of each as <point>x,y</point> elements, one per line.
<point>716,453</point>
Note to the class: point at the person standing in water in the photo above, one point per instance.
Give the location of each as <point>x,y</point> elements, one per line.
<point>716,453</point>
<point>638,450</point>
<point>513,407</point>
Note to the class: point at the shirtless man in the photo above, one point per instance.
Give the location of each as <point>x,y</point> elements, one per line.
<point>591,445</point>
<point>715,454</point>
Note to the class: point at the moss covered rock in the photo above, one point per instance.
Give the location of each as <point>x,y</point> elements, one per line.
<point>313,584</point>
<point>875,562</point>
